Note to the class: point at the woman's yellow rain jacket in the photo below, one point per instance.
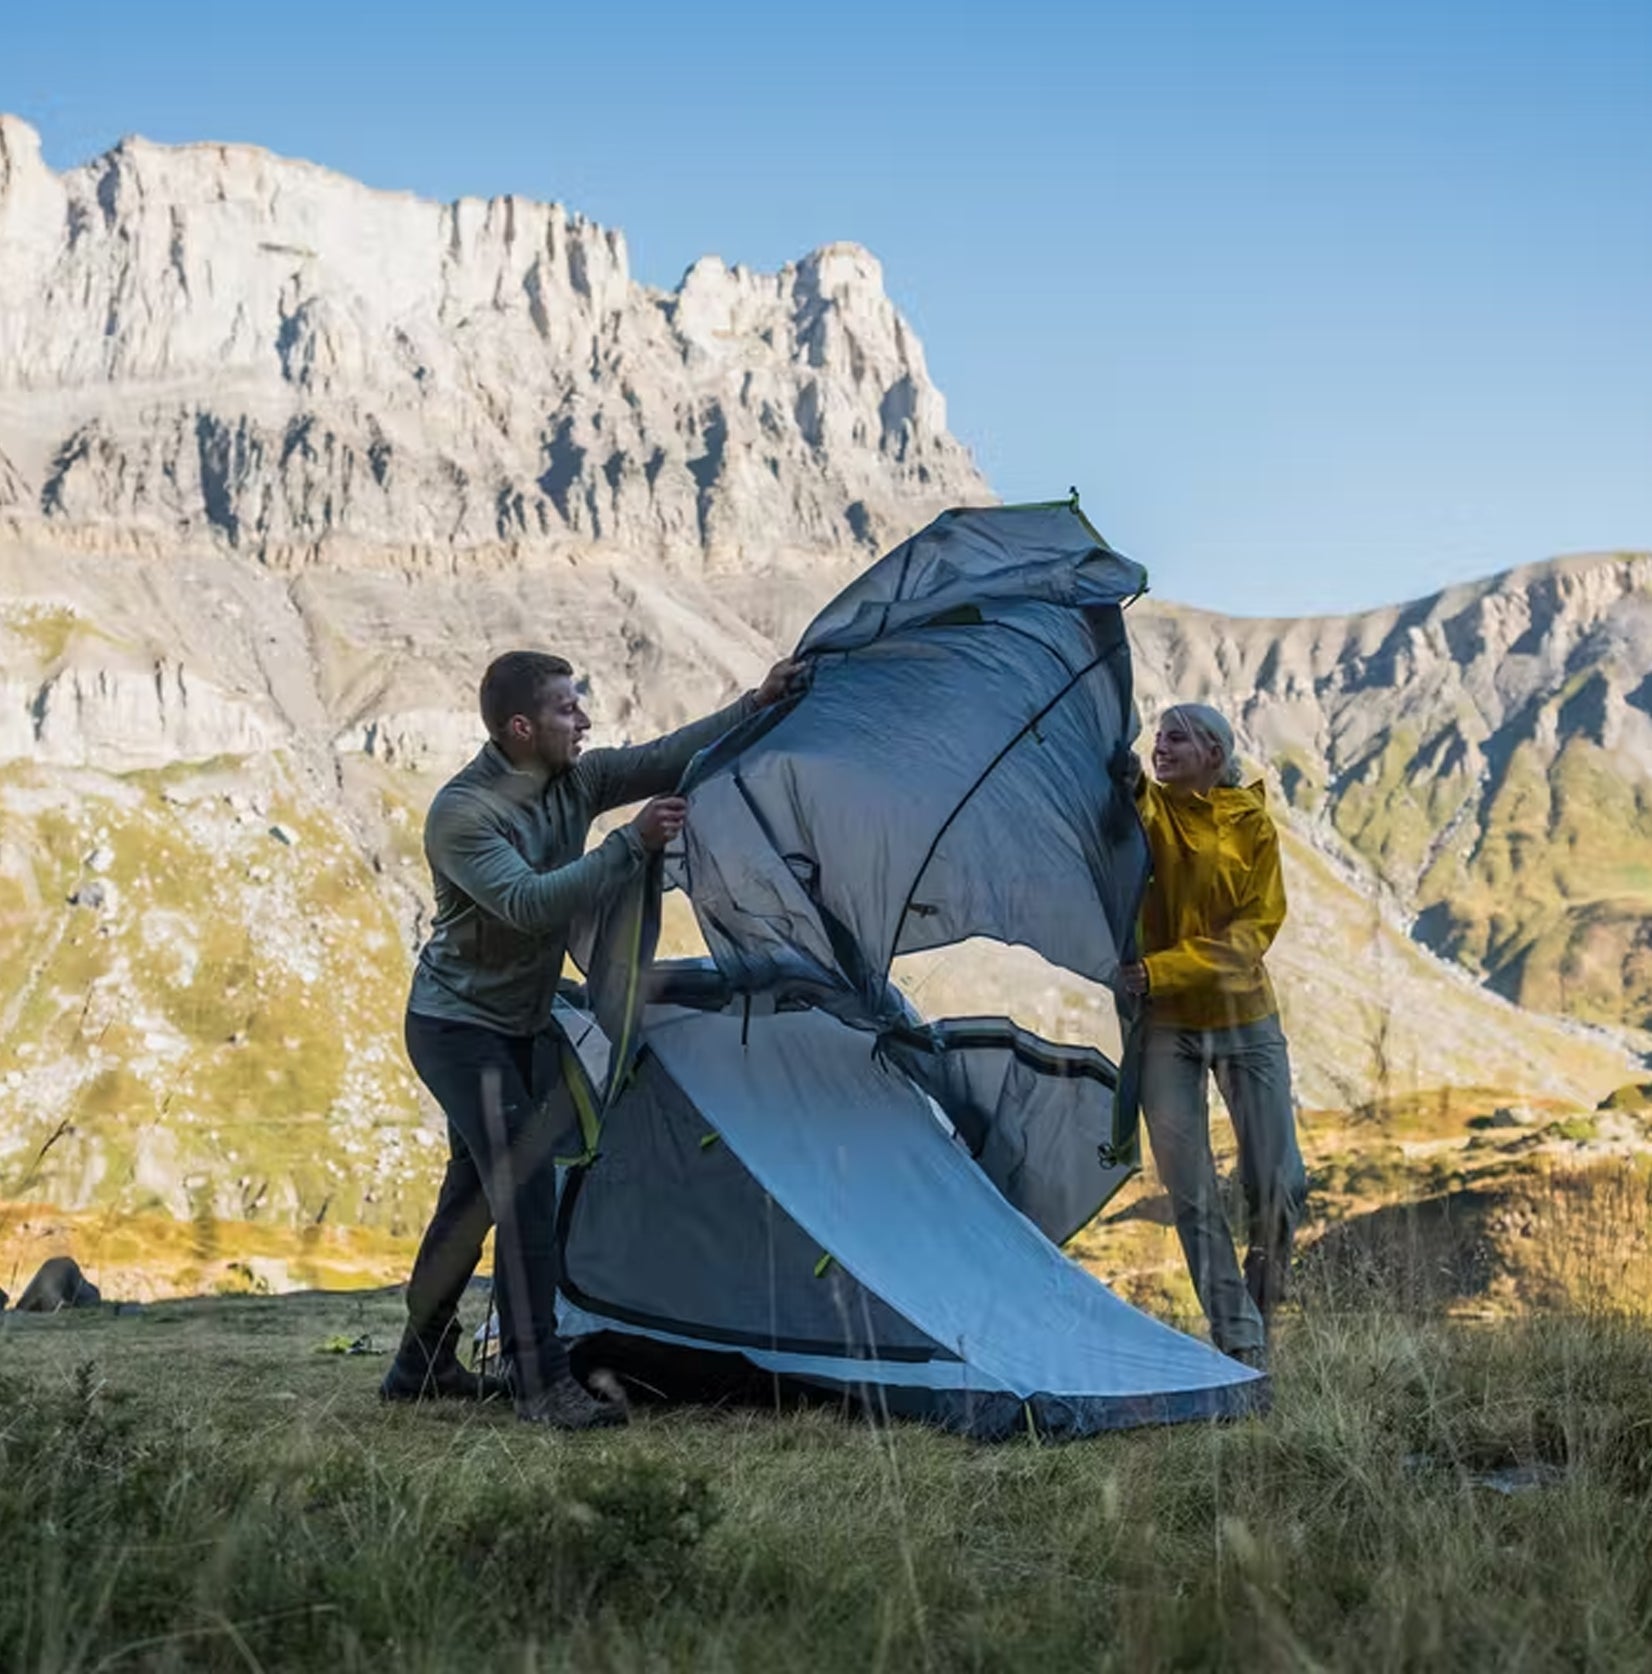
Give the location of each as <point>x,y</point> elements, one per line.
<point>1214,906</point>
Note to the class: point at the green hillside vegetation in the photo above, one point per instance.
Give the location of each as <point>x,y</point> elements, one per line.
<point>142,1254</point>
<point>1544,886</point>
<point>1391,813</point>
<point>211,994</point>
<point>45,634</point>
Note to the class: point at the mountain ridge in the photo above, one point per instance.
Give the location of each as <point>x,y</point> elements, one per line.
<point>1486,750</point>
<point>239,647</point>
<point>233,347</point>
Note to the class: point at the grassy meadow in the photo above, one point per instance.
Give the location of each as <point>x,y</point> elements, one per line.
<point>1456,1473</point>
<point>204,1485</point>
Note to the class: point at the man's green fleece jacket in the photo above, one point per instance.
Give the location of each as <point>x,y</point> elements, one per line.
<point>506,847</point>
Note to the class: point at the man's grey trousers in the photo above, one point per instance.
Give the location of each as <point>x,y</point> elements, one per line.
<point>1253,1071</point>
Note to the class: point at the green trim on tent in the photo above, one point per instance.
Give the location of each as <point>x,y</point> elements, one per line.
<point>585,1107</point>
<point>620,1061</point>
<point>1070,503</point>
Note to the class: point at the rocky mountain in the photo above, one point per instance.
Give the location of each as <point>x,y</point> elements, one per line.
<point>1487,752</point>
<point>209,344</point>
<point>284,462</point>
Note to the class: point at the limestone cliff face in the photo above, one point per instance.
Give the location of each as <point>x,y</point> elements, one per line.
<point>138,716</point>
<point>237,350</point>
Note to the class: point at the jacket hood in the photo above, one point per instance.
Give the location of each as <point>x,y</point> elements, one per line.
<point>1227,800</point>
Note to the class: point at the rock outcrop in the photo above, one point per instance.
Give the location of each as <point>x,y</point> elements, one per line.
<point>130,716</point>
<point>240,351</point>
<point>58,1285</point>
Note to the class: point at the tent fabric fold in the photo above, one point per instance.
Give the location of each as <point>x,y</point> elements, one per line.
<point>941,1300</point>
<point>1038,1118</point>
<point>943,777</point>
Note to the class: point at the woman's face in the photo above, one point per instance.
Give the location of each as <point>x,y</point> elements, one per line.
<point>1184,759</point>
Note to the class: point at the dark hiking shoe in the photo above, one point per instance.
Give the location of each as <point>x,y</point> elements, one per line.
<point>569,1405</point>
<point>444,1381</point>
<point>422,1373</point>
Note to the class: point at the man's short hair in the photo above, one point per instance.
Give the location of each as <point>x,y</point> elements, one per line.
<point>514,684</point>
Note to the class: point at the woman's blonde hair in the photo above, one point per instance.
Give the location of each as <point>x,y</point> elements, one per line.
<point>1209,727</point>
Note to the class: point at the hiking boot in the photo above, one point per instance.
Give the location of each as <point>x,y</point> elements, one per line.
<point>421,1372</point>
<point>569,1405</point>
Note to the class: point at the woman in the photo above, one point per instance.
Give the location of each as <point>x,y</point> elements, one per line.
<point>1214,905</point>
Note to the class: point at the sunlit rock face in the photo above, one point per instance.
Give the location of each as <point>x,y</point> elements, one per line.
<point>225,345</point>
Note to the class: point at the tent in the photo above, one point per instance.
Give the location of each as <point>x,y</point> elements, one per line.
<point>789,1174</point>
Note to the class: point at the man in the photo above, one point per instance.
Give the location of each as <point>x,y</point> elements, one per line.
<point>505,838</point>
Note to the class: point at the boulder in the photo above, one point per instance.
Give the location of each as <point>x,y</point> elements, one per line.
<point>59,1284</point>
<point>1510,1116</point>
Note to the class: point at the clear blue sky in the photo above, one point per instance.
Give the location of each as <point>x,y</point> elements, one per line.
<point>1322,305</point>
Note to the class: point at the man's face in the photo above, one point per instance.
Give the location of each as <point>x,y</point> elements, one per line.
<point>1180,758</point>
<point>554,733</point>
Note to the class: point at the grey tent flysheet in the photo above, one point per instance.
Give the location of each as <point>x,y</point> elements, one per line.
<point>798,1182</point>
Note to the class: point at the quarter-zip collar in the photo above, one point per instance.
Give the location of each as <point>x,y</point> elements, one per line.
<point>523,786</point>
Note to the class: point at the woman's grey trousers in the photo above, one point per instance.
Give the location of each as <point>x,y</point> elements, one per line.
<point>1253,1071</point>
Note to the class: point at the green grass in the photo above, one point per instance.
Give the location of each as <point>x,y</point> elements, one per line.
<point>193,1486</point>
